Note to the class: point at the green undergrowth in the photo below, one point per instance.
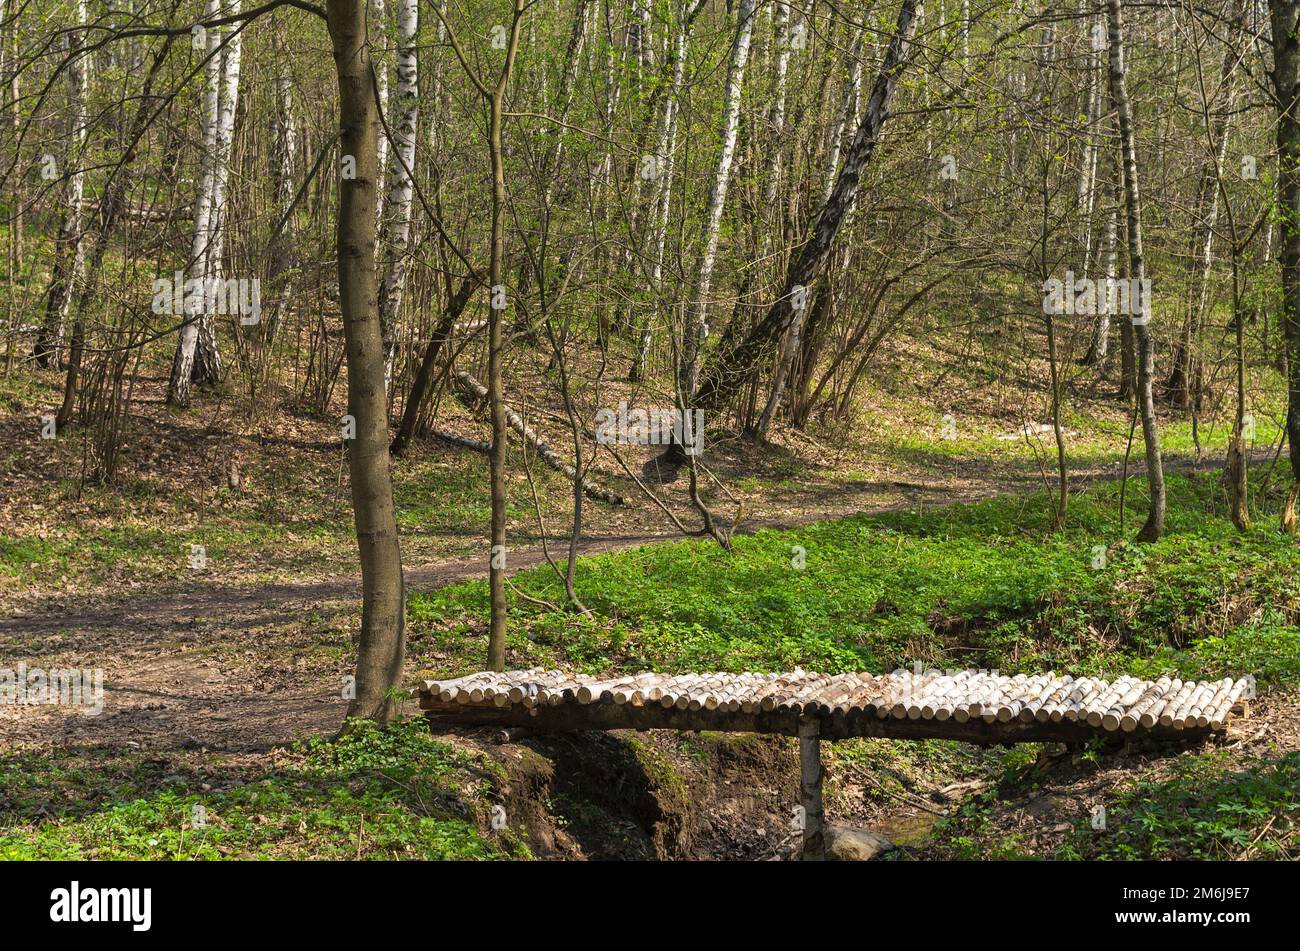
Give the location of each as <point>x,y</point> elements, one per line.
<point>1209,808</point>
<point>373,794</point>
<point>989,584</point>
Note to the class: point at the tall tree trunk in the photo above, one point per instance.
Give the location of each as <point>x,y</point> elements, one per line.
<point>378,39</point>
<point>1144,345</point>
<point>1091,150</point>
<point>207,358</point>
<point>496,384</point>
<point>381,650</point>
<point>189,365</point>
<point>697,327</point>
<point>665,168</point>
<point>1284,15</point>
<point>69,256</point>
<point>285,129</point>
<point>396,233</point>
<point>790,341</point>
<point>736,357</point>
<point>1180,386</point>
<point>776,115</point>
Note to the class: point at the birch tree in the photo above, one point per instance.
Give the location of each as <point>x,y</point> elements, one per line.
<point>196,359</point>
<point>697,326</point>
<point>396,232</point>
<point>737,356</point>
<point>69,257</point>
<point>665,166</point>
<point>791,340</point>
<point>1144,344</point>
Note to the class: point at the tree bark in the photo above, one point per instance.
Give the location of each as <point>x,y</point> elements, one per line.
<point>697,327</point>
<point>396,232</point>
<point>1144,345</point>
<point>207,358</point>
<point>495,384</point>
<point>69,256</point>
<point>196,359</point>
<point>1286,85</point>
<point>381,650</point>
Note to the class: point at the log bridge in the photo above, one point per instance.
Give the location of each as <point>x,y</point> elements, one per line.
<point>976,706</point>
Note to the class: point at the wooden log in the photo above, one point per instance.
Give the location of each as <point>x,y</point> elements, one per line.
<point>1078,710</point>
<point>1034,704</point>
<point>1132,718</point>
<point>1050,708</point>
<point>1218,716</point>
<point>810,789</point>
<point>572,717</point>
<point>1195,697</point>
<point>1060,712</point>
<point>1105,701</point>
<point>940,704</point>
<point>1170,708</point>
<point>924,686</point>
<point>1202,710</point>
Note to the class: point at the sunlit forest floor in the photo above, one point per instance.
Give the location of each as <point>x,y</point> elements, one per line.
<point>926,528</point>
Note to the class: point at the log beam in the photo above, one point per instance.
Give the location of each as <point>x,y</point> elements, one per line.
<point>810,789</point>
<point>608,715</point>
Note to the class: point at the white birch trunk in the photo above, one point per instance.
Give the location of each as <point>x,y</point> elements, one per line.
<point>207,359</point>
<point>179,390</point>
<point>379,60</point>
<point>396,231</point>
<point>845,122</point>
<point>69,261</point>
<point>664,171</point>
<point>776,117</point>
<point>965,32</point>
<point>697,328</point>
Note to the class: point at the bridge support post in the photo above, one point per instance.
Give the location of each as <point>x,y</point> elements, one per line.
<point>810,789</point>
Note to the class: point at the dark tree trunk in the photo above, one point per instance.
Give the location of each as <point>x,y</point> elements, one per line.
<point>1286,86</point>
<point>381,650</point>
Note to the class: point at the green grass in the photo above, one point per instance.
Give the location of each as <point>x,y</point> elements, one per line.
<point>1208,809</point>
<point>392,793</point>
<point>988,584</point>
<point>293,515</point>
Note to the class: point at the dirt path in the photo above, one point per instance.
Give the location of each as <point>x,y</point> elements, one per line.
<point>206,666</point>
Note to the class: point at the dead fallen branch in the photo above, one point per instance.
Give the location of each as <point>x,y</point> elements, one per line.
<point>529,435</point>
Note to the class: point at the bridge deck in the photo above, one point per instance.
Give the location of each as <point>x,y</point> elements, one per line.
<point>972,705</point>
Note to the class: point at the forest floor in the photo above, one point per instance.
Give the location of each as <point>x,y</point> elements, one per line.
<point>217,678</point>
<point>223,666</point>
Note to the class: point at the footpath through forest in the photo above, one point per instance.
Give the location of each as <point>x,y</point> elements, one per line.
<point>254,666</point>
